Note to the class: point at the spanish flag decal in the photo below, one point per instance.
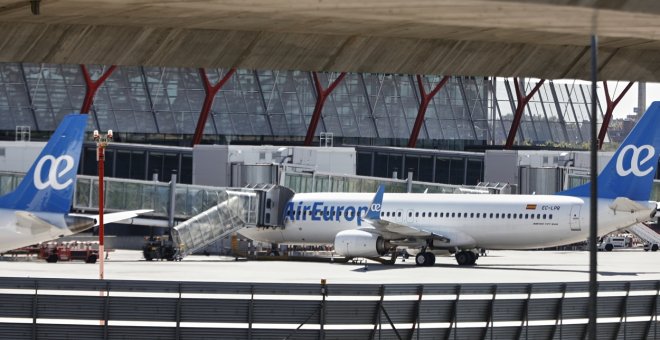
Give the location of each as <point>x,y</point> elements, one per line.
<point>531,207</point>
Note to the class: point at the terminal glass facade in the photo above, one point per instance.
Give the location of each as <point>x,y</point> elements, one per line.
<point>162,105</point>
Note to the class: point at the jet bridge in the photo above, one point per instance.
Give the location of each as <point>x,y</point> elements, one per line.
<point>257,206</point>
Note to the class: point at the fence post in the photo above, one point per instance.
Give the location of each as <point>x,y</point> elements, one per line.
<point>250,312</point>
<point>559,319</point>
<point>178,315</point>
<point>454,313</point>
<point>491,313</point>
<point>624,313</point>
<point>324,293</point>
<point>106,308</point>
<point>415,323</point>
<point>377,317</point>
<point>34,309</point>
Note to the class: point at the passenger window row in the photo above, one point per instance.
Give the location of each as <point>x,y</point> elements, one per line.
<point>512,216</point>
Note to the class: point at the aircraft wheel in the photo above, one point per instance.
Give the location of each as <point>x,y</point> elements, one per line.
<point>430,259</point>
<point>421,259</point>
<point>609,247</point>
<point>52,258</point>
<point>462,258</point>
<point>654,247</point>
<point>472,258</point>
<point>91,259</point>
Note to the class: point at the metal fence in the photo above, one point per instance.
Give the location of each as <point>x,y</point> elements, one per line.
<point>71,309</point>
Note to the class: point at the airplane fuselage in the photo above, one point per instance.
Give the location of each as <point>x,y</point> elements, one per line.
<point>18,232</point>
<point>487,221</point>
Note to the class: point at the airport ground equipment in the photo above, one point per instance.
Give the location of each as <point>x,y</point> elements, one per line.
<point>69,251</point>
<point>253,207</point>
<point>159,248</point>
<point>609,243</point>
<point>650,237</point>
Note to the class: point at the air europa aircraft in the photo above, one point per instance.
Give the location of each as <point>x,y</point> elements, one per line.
<point>367,225</point>
<point>38,210</point>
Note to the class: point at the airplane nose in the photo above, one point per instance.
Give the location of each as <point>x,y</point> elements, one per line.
<point>78,223</point>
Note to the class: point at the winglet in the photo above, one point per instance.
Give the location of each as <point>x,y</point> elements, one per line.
<point>374,209</point>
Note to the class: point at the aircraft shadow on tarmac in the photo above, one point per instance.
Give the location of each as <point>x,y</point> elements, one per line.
<point>518,267</point>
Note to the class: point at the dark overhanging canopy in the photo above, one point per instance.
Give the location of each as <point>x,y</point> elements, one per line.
<point>539,38</point>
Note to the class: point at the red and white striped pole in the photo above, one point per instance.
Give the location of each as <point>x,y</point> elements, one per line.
<point>101,143</point>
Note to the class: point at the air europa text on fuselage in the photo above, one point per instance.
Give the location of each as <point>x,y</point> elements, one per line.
<point>320,211</point>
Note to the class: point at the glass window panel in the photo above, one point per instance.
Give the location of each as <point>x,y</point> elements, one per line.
<point>442,170</point>
<point>138,165</point>
<point>474,172</point>
<point>395,163</point>
<point>380,165</point>
<point>457,171</point>
<point>425,169</point>
<point>412,165</point>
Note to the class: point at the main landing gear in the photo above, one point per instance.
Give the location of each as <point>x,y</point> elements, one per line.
<point>424,258</point>
<point>466,258</point>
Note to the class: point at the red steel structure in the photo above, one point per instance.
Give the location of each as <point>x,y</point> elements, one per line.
<point>93,86</point>
<point>211,91</point>
<point>423,105</point>
<point>522,101</point>
<point>322,95</point>
<point>611,105</point>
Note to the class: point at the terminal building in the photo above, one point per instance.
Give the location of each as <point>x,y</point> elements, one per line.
<point>258,122</point>
<point>150,105</point>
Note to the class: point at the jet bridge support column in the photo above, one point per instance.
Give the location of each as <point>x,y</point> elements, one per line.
<point>171,206</point>
<point>522,101</point>
<point>423,105</point>
<point>611,105</point>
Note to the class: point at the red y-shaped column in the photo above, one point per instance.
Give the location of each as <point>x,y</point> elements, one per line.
<point>211,91</point>
<point>92,86</point>
<point>426,99</point>
<point>520,108</point>
<point>611,105</point>
<point>322,95</point>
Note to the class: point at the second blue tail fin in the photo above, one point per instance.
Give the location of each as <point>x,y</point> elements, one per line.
<point>49,184</point>
<point>376,204</point>
<point>631,170</point>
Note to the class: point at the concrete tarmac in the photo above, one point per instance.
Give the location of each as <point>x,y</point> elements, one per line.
<point>497,267</point>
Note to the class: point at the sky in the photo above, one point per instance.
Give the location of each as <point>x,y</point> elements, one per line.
<point>629,101</point>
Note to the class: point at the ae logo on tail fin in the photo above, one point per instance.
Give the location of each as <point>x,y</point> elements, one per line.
<point>635,162</point>
<point>54,175</point>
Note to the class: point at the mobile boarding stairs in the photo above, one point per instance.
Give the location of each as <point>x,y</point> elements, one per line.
<point>257,206</point>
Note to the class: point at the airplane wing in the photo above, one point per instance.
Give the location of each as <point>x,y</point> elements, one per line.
<point>115,217</point>
<point>392,229</point>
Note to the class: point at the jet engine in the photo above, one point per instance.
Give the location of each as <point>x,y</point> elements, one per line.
<point>358,243</point>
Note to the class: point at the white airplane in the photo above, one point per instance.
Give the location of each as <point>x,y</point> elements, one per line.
<point>364,225</point>
<point>38,210</point>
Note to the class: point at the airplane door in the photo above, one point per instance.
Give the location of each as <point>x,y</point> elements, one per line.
<point>575,217</point>
<point>409,216</point>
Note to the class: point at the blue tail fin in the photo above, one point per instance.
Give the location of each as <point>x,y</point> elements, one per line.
<point>374,209</point>
<point>48,186</point>
<point>631,170</point>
